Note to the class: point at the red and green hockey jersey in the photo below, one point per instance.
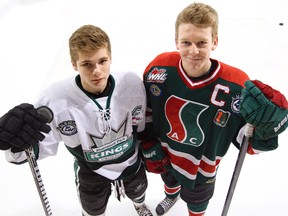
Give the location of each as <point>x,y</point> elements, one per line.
<point>196,121</point>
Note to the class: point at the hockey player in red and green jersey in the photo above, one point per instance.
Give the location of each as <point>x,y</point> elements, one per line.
<point>197,107</point>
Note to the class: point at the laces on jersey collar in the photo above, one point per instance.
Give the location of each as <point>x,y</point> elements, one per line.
<point>105,115</point>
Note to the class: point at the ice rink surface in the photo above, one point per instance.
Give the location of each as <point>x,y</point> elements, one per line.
<point>34,53</point>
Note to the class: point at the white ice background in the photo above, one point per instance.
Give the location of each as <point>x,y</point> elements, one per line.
<point>33,53</point>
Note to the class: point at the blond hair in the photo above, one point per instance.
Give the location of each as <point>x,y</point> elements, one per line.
<point>88,38</point>
<point>198,14</point>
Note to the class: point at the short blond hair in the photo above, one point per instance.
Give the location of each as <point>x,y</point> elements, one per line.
<point>198,14</point>
<point>88,38</point>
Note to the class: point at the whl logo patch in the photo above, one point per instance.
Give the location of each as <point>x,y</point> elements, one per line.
<point>157,75</point>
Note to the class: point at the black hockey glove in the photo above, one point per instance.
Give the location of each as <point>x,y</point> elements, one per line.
<point>22,127</point>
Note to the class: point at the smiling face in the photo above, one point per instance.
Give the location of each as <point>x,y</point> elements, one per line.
<point>94,69</point>
<point>196,35</point>
<point>195,44</point>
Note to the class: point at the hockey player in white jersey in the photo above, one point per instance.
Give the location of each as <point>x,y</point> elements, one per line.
<point>97,115</point>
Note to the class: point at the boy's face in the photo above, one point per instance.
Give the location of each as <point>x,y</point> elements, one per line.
<point>94,69</point>
<point>195,45</point>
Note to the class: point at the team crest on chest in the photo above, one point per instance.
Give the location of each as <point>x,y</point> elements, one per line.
<point>105,150</point>
<point>184,124</point>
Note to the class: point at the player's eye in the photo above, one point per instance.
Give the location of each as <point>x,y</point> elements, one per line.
<point>186,43</point>
<point>86,65</point>
<point>102,61</point>
<point>201,44</point>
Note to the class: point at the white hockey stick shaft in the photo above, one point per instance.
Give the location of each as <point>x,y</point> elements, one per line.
<point>240,160</point>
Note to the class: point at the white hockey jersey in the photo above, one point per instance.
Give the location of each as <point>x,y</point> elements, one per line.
<point>102,132</point>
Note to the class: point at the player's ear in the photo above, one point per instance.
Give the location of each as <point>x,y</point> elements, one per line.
<point>215,42</point>
<point>176,43</point>
<point>74,65</point>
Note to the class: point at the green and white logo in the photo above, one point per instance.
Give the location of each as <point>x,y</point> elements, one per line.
<point>110,151</point>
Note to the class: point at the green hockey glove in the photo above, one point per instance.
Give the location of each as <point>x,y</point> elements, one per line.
<point>265,108</point>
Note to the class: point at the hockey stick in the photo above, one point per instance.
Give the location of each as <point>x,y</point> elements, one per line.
<point>46,112</point>
<point>238,166</point>
<point>38,180</point>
